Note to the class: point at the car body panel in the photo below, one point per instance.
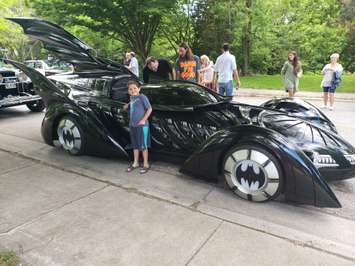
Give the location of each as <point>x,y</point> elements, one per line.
<point>300,108</point>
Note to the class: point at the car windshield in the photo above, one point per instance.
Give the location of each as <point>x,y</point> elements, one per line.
<point>34,64</point>
<point>181,94</point>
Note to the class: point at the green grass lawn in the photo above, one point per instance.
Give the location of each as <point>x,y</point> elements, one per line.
<point>9,258</point>
<point>308,82</point>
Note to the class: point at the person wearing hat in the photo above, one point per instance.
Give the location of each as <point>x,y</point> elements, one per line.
<point>331,79</point>
<point>157,70</point>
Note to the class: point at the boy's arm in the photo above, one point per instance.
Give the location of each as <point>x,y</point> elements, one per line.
<point>146,116</point>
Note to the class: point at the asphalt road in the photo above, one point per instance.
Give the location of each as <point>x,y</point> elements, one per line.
<point>56,209</point>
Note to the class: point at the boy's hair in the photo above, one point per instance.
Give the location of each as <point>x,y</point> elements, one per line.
<point>133,82</point>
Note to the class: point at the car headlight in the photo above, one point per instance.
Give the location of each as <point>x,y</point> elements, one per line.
<point>245,111</point>
<point>324,160</point>
<point>350,158</point>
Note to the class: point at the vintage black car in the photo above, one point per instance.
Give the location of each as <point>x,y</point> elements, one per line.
<point>17,89</point>
<point>260,152</point>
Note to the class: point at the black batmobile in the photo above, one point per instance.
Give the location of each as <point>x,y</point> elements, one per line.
<point>284,147</point>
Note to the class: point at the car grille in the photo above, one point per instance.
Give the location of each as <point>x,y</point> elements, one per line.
<point>8,74</point>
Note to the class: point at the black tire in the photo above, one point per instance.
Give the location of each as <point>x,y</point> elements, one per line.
<point>71,136</point>
<point>37,106</point>
<point>253,173</point>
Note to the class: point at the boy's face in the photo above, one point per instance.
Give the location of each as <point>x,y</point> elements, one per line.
<point>133,90</point>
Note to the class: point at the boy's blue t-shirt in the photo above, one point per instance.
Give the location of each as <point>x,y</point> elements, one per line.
<point>137,107</point>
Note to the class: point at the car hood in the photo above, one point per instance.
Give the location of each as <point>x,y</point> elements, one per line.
<point>66,46</point>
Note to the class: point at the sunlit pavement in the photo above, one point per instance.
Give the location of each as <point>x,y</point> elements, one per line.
<point>56,209</point>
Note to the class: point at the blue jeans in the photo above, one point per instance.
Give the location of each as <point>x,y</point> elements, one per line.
<point>226,88</point>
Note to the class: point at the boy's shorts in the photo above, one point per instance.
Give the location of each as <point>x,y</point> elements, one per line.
<point>140,137</point>
<point>329,89</point>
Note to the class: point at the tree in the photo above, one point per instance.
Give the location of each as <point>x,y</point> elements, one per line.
<point>133,22</point>
<point>214,24</point>
<point>347,18</point>
<point>14,44</point>
<point>177,25</point>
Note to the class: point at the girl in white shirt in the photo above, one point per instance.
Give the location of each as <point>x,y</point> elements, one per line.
<point>328,72</point>
<point>206,72</point>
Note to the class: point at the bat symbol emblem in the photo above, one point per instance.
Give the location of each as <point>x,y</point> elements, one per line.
<point>250,176</point>
<point>68,136</point>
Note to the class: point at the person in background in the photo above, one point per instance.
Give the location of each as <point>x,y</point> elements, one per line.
<point>187,64</point>
<point>224,71</point>
<point>291,72</point>
<point>139,110</point>
<point>126,60</point>
<point>331,79</point>
<point>133,64</point>
<point>157,70</point>
<point>206,72</point>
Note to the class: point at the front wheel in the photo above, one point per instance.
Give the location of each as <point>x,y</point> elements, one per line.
<point>37,106</point>
<point>71,136</point>
<point>253,173</point>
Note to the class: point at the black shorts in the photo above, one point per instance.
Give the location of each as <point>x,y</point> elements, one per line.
<point>140,137</point>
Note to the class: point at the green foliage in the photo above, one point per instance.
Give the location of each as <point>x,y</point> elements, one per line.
<point>15,44</point>
<point>133,22</point>
<point>261,31</point>
<point>9,258</point>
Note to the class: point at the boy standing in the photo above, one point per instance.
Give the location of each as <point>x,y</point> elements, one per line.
<point>139,110</point>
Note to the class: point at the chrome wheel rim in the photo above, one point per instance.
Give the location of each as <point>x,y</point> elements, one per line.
<point>252,175</point>
<point>69,136</point>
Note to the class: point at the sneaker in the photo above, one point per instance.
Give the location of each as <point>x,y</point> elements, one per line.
<point>324,107</point>
<point>331,108</point>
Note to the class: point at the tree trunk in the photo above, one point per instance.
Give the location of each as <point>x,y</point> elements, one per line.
<point>246,39</point>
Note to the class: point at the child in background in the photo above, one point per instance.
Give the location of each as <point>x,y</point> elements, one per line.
<point>139,110</point>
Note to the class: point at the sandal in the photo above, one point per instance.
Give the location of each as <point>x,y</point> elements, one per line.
<point>131,168</point>
<point>144,170</point>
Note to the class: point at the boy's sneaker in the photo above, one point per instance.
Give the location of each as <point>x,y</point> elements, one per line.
<point>324,107</point>
<point>331,108</point>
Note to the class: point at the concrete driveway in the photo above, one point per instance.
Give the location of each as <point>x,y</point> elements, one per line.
<point>56,209</point>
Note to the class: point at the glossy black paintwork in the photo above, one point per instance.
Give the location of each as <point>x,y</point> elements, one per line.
<point>188,122</point>
<point>299,108</point>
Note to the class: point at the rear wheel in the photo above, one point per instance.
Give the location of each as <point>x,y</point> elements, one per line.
<point>253,173</point>
<point>71,136</point>
<point>37,106</point>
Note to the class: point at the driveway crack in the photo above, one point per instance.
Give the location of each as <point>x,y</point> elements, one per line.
<point>204,243</point>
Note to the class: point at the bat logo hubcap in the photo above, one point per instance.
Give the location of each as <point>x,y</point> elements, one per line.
<point>69,136</point>
<point>252,174</point>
